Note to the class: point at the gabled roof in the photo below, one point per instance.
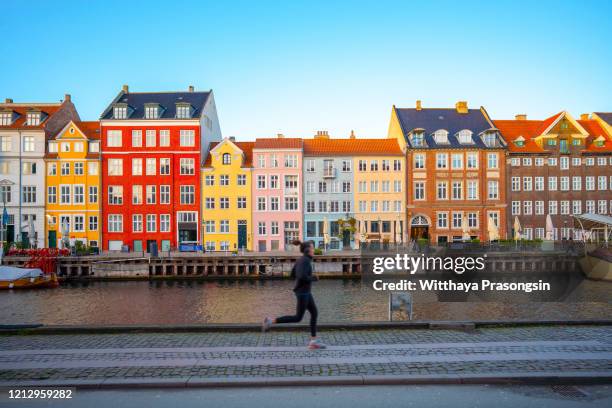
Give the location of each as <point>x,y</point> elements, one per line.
<point>246,147</point>
<point>605,116</point>
<point>278,143</point>
<point>136,102</point>
<point>91,129</point>
<point>20,111</point>
<point>529,130</point>
<point>428,120</point>
<point>352,147</point>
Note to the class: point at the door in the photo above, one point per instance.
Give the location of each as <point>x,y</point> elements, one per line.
<point>242,236</point>
<point>52,239</point>
<point>419,232</point>
<point>137,245</point>
<point>563,146</point>
<point>262,246</point>
<point>346,239</point>
<point>150,243</point>
<point>10,234</point>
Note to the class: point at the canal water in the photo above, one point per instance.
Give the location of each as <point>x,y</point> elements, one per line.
<point>195,302</point>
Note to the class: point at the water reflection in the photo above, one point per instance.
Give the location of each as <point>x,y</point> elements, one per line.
<point>247,301</point>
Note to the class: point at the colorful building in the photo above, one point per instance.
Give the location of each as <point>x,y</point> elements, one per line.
<point>380,191</point>
<point>153,145</point>
<point>24,130</point>
<point>226,196</point>
<point>73,186</point>
<point>328,177</point>
<point>277,193</point>
<point>558,166</point>
<point>456,172</point>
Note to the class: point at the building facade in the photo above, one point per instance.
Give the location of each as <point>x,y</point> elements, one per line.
<point>153,145</point>
<point>73,186</point>
<point>558,166</point>
<point>380,191</point>
<point>277,193</point>
<point>24,130</point>
<point>226,196</point>
<point>455,172</point>
<point>328,177</point>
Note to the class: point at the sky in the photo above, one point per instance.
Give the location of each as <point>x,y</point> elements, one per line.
<point>295,67</point>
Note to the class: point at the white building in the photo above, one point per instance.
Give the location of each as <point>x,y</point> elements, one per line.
<point>24,130</point>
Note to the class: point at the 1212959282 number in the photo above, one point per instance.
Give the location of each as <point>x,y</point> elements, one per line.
<point>40,393</point>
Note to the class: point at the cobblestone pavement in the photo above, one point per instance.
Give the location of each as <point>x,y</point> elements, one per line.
<point>524,351</point>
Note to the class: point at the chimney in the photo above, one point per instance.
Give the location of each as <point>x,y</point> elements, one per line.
<point>125,88</point>
<point>322,134</point>
<point>352,136</point>
<point>232,138</point>
<point>461,107</point>
<point>584,116</point>
<point>520,116</point>
<point>280,136</point>
<point>191,88</point>
<point>418,105</point>
<point>66,97</point>
<point>8,100</point>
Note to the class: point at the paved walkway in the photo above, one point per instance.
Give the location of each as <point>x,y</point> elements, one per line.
<point>353,357</point>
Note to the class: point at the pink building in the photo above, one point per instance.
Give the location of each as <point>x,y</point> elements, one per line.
<point>277,193</point>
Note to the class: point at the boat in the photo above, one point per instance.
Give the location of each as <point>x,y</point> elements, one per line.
<point>26,278</point>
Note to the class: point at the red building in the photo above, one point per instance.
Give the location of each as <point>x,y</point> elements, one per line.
<point>153,144</point>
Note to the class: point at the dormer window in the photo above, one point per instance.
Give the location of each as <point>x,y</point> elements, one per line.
<point>600,141</point>
<point>33,118</point>
<point>183,111</point>
<point>441,136</point>
<point>6,118</point>
<point>417,139</point>
<point>151,111</point>
<point>489,139</point>
<point>120,111</point>
<point>465,137</point>
<point>519,141</point>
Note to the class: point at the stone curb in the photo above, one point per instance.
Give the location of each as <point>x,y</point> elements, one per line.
<point>26,329</point>
<point>223,382</point>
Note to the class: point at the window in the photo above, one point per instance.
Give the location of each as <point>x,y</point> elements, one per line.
<point>526,161</point>
<point>4,167</point>
<point>64,194</point>
<point>78,147</point>
<point>374,165</point>
<point>113,138</point>
<point>115,223</point>
<point>310,206</point>
<point>322,206</point>
<point>516,183</point>
<point>346,186</point>
<point>589,183</point>
<point>273,160</point>
<point>183,111</point>
<point>224,226</point>
<point>602,207</point>
<point>291,161</point>
<point>227,158</point>
<point>224,203</point>
<point>224,180</point>
<point>151,194</point>
<point>261,161</point>
<point>6,118</point>
<point>576,207</point>
<point>552,183</point>
<point>136,138</point>
<point>441,136</point>
<point>187,138</point>
<point>28,194</point>
<point>241,202</point>
<point>151,222</point>
<point>261,203</point>
<point>209,203</point>
<point>79,223</point>
<point>322,187</point>
<point>28,168</point>
<point>472,190</point>
<point>115,195</point>
<point>187,166</point>
<point>419,161</point>
<point>441,189</point>
<point>539,183</point>
<point>164,138</point>
<point>362,165</point>
<point>527,207</point>
<point>151,166</point>
<point>136,194</point>
<point>527,183</point>
<point>136,167</point>
<point>419,190</point>
<point>93,194</point>
<point>516,208</point>
<point>457,161</point>
<point>291,204</point>
<point>564,163</point>
<point>373,186</point>
<point>137,223</point>
<point>241,180</point>
<point>78,168</point>
<point>493,189</point>
<point>490,139</point>
<point>441,160</point>
<point>93,222</point>
<point>28,144</point>
<point>115,167</point>
<point>261,228</point>
<point>417,139</point>
<point>576,183</point>
<point>457,190</point>
<point>261,182</point>
<point>472,220</point>
<point>164,223</point>
<point>291,182</point>
<point>346,206</point>
<point>374,206</point>
<point>552,207</point>
<point>492,160</point>
<point>52,194</point>
<point>209,180</point>
<point>164,166</point>
<point>564,207</point>
<point>65,168</point>
<point>442,219</point>
<point>151,138</point>
<point>79,194</point>
<point>346,166</point>
<point>472,160</point>
<point>602,183</point>
<point>274,182</point>
<point>164,194</point>
<point>457,220</point>
<point>564,183</point>
<point>539,207</point>
<point>274,203</point>
<point>33,118</point>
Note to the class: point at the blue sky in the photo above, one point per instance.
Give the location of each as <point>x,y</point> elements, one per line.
<point>297,67</point>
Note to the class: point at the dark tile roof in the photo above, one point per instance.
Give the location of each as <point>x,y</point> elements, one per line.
<point>606,116</point>
<point>167,100</point>
<point>430,120</point>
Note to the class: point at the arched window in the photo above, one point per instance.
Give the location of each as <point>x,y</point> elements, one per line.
<point>227,158</point>
<point>419,220</point>
<point>465,136</point>
<point>441,136</point>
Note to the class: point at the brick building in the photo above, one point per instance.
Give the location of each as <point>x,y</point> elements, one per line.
<point>455,172</point>
<point>558,166</point>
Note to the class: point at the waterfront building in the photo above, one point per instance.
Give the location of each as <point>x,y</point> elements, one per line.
<point>455,172</point>
<point>73,186</point>
<point>558,166</point>
<point>24,130</point>
<point>226,196</point>
<point>277,193</point>
<point>153,144</point>
<point>380,191</point>
<point>328,183</point>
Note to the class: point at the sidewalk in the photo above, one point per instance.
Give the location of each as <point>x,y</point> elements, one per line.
<point>377,356</point>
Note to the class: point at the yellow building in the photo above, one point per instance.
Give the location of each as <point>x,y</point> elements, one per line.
<point>73,186</point>
<point>226,196</point>
<point>380,191</point>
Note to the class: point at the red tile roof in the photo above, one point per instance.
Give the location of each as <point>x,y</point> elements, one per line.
<point>21,110</point>
<point>246,147</point>
<point>352,147</point>
<point>278,143</point>
<point>91,129</point>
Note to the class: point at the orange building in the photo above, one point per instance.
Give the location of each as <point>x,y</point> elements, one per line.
<point>455,173</point>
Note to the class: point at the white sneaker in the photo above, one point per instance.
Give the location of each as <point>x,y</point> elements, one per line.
<point>267,323</point>
<point>316,345</point>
